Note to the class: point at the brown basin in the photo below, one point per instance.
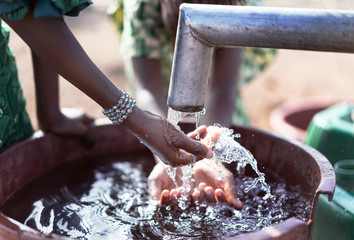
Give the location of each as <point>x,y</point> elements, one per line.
<point>296,162</point>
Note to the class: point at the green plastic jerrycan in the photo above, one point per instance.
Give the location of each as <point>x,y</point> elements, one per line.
<point>331,131</point>
<point>335,219</point>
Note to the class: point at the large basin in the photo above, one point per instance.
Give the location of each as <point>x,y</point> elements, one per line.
<point>294,161</point>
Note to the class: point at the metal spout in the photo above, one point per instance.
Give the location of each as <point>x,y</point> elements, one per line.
<point>202,27</point>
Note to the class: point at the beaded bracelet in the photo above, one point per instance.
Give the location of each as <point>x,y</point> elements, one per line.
<point>119,112</point>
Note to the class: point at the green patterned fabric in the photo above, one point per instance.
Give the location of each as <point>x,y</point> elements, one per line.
<point>14,121</point>
<point>17,9</point>
<point>142,34</point>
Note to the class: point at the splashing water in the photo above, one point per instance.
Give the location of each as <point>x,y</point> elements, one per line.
<point>174,117</point>
<point>187,175</point>
<point>228,150</point>
<point>171,171</point>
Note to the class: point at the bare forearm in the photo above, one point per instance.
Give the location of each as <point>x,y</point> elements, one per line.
<point>52,41</point>
<point>47,89</point>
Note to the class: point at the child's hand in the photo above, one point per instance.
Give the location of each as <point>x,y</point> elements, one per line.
<point>207,135</point>
<point>206,173</point>
<point>203,195</point>
<point>67,122</point>
<point>211,189</point>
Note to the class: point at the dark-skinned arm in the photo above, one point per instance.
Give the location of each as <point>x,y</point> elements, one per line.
<point>53,42</point>
<point>49,115</point>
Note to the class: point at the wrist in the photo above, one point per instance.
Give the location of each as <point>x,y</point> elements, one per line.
<point>135,120</point>
<point>120,111</point>
<point>49,122</point>
<point>47,118</point>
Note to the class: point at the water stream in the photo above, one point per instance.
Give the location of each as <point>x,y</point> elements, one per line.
<point>187,171</point>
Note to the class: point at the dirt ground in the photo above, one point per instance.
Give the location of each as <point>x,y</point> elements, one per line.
<point>293,74</point>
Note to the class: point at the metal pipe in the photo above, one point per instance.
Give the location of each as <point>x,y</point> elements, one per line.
<point>202,27</point>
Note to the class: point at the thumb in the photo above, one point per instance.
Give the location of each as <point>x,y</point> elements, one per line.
<point>194,147</point>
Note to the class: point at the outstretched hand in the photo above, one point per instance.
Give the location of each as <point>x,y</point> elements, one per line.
<point>213,182</point>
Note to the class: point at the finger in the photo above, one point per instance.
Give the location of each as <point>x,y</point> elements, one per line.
<point>200,131</point>
<point>177,140</point>
<point>220,196</point>
<point>196,198</point>
<point>184,195</point>
<point>165,197</point>
<point>236,203</point>
<point>212,136</point>
<point>209,194</point>
<point>201,188</point>
<point>194,147</point>
<point>181,157</point>
<point>174,197</point>
<point>180,192</point>
<point>231,194</point>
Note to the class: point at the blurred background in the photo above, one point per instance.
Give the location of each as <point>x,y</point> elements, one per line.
<point>294,74</point>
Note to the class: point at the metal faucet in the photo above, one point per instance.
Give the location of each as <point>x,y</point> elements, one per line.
<point>202,27</point>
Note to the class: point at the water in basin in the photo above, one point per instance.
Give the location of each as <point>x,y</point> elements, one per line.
<point>107,197</point>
